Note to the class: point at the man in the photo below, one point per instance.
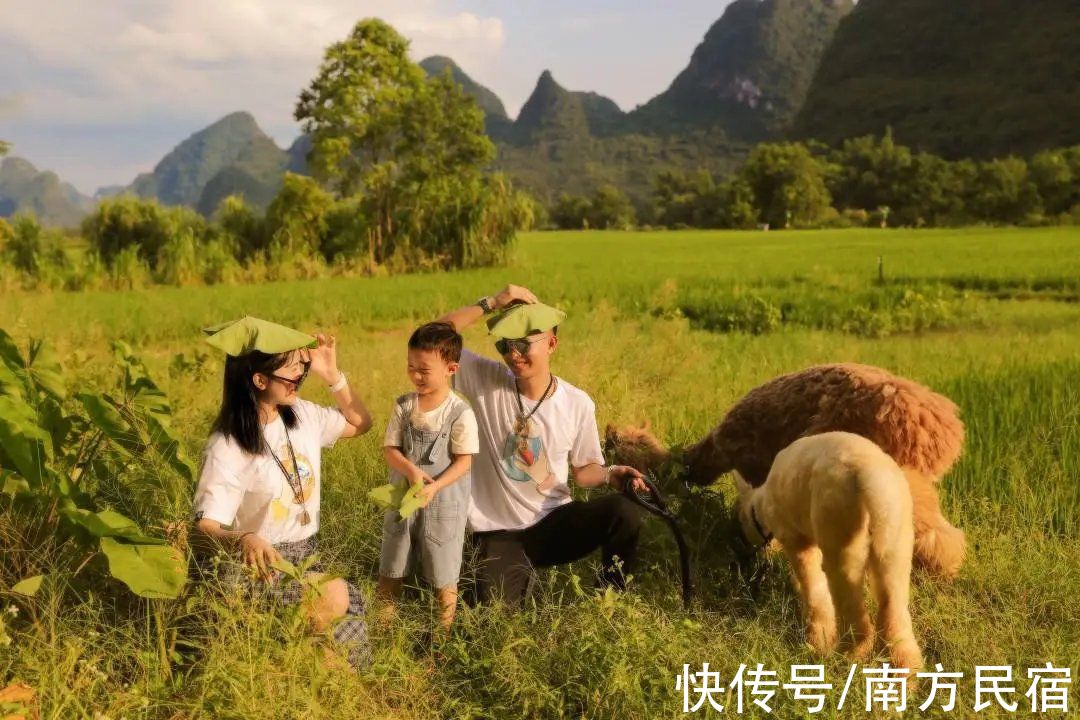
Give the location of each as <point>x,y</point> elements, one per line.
<point>536,430</point>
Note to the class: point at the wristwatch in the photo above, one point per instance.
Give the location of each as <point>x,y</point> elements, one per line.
<point>485,305</point>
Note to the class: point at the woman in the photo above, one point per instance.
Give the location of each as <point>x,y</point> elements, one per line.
<point>259,491</point>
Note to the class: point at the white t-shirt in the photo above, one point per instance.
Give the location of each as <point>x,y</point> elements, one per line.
<point>464,439</point>
<point>517,483</point>
<point>250,492</point>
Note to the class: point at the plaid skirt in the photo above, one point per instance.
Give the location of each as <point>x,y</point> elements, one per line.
<point>350,631</point>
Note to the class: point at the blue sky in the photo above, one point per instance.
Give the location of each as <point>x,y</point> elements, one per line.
<point>100,91</point>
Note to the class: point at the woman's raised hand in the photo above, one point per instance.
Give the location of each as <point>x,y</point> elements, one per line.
<point>324,358</point>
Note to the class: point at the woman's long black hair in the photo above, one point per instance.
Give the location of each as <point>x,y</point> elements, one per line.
<point>238,418</point>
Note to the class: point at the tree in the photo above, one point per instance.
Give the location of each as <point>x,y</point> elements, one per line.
<point>406,144</point>
<point>127,221</point>
<point>1056,174</point>
<point>296,219</point>
<point>1002,192</point>
<point>610,209</point>
<point>4,147</point>
<point>570,212</point>
<point>867,173</point>
<point>788,183</point>
<point>243,232</point>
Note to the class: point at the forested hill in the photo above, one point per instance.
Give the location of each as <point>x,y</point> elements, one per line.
<point>751,73</point>
<point>24,188</point>
<point>960,78</point>
<point>231,155</point>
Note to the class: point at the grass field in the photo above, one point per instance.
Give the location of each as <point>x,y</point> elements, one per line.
<point>672,327</point>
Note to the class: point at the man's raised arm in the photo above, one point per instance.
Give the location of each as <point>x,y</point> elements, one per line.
<point>465,316</point>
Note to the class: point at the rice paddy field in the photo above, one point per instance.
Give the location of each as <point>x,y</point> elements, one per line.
<point>669,327</point>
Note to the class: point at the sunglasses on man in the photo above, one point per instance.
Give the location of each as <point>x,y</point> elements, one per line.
<point>519,345</point>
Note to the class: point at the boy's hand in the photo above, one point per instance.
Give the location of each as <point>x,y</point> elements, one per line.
<point>419,477</point>
<point>428,492</point>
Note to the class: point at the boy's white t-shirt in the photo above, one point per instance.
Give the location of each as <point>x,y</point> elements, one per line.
<point>250,492</point>
<point>464,439</point>
<point>515,483</point>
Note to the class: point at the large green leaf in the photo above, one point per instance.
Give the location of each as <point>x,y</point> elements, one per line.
<point>28,586</point>
<point>109,420</point>
<point>25,445</point>
<point>412,502</point>
<point>9,352</point>
<point>44,369</point>
<point>151,571</point>
<point>387,496</point>
<point>166,443</point>
<point>108,523</point>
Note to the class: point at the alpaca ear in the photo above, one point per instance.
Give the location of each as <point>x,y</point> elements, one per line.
<point>610,430</point>
<point>646,424</point>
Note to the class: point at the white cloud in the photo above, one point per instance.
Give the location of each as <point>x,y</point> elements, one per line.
<point>123,61</point>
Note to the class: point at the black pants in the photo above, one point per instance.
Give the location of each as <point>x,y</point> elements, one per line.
<point>505,558</point>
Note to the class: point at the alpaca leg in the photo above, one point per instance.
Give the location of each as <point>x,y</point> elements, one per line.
<point>891,574</point>
<point>817,603</point>
<point>939,546</point>
<point>845,568</point>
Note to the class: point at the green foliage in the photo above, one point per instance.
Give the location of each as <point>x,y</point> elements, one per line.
<point>24,247</point>
<point>577,652</point>
<point>356,108</point>
<point>129,270</point>
<point>57,452</point>
<point>238,227</point>
<point>127,221</point>
<point>965,78</point>
<point>410,149</point>
<point>788,184</point>
<point>606,209</point>
<point>296,220</point>
<point>1002,192</point>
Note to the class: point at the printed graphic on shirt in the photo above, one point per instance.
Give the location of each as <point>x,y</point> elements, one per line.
<point>524,459</point>
<point>285,500</point>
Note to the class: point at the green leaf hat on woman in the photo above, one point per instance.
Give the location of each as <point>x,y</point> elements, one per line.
<point>248,334</point>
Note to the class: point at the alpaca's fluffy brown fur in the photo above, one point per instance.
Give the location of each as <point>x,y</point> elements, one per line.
<point>917,427</point>
<point>837,505</point>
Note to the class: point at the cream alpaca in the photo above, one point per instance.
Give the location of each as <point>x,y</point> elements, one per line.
<point>840,508</point>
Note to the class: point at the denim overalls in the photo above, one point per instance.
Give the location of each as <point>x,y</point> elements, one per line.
<point>437,532</point>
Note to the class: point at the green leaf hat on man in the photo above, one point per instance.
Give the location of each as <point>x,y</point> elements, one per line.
<point>518,321</point>
<point>248,334</point>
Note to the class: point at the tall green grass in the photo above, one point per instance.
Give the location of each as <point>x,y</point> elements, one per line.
<point>1010,364</point>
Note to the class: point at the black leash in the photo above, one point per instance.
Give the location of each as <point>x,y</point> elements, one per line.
<point>658,507</point>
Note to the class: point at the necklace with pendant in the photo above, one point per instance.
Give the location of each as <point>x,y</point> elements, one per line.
<point>521,425</point>
<point>295,484</point>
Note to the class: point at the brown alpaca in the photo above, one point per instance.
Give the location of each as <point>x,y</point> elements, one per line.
<point>915,426</point>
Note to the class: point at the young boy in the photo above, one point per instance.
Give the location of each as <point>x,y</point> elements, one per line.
<point>430,442</point>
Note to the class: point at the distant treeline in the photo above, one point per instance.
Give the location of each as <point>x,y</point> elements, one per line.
<point>868,181</point>
<point>130,242</point>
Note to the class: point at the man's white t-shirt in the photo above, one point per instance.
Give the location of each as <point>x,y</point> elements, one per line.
<point>517,481</point>
<point>250,492</point>
<point>463,433</point>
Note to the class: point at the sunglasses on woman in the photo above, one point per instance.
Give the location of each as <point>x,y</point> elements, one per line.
<point>297,382</point>
<point>520,345</point>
